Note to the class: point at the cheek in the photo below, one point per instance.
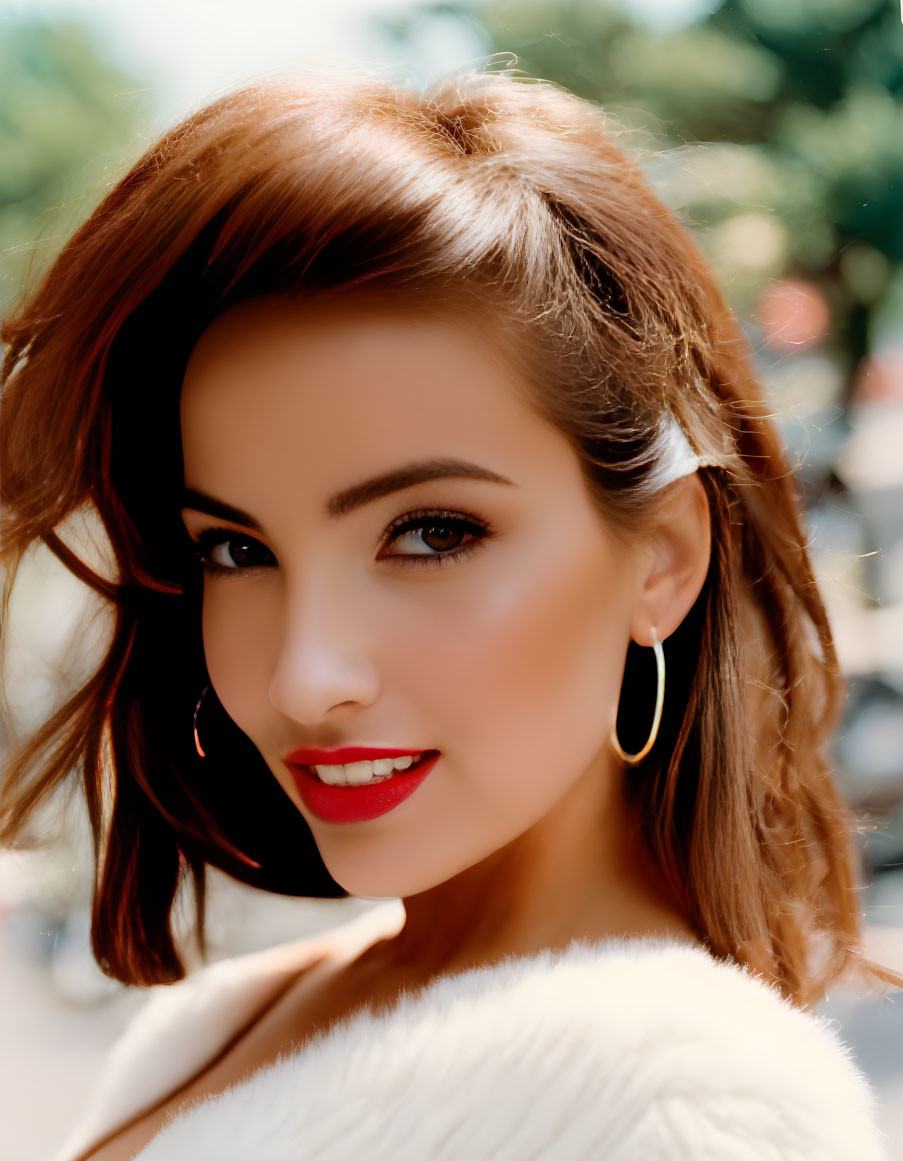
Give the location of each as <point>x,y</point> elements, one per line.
<point>525,663</point>
<point>236,634</point>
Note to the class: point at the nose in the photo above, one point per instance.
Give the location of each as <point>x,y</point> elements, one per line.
<point>323,660</point>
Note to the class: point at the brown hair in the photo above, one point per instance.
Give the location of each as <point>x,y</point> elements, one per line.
<point>488,189</point>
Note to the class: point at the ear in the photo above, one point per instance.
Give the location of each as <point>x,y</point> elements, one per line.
<point>680,543</point>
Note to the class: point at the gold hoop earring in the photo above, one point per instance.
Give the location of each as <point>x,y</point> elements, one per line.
<point>197,710</point>
<point>633,759</point>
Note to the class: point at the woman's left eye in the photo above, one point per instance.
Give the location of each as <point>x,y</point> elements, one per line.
<point>434,538</point>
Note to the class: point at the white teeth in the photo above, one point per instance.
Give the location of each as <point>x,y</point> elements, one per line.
<point>357,773</point>
<point>331,774</point>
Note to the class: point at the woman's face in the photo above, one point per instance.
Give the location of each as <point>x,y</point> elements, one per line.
<point>484,615</point>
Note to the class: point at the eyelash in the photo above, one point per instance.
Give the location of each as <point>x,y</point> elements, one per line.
<point>479,529</point>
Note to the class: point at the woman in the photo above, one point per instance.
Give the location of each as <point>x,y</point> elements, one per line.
<point>456,560</point>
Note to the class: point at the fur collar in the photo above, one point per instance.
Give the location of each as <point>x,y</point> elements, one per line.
<point>628,1050</point>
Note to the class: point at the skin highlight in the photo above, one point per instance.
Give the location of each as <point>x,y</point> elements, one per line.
<point>508,659</point>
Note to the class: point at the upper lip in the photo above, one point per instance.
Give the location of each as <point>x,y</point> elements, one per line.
<point>344,754</point>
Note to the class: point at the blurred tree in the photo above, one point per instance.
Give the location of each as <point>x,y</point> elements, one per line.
<point>67,118</point>
<point>799,104</point>
<point>837,116</point>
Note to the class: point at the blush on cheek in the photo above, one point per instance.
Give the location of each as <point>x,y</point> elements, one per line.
<point>235,651</point>
<point>565,622</point>
<point>525,671</point>
<point>556,658</point>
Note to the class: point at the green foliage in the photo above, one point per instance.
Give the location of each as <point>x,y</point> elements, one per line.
<point>68,119</point>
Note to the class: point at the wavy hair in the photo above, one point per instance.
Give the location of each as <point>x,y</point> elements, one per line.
<point>490,193</point>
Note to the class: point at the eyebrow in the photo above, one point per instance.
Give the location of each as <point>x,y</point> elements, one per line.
<point>349,499</point>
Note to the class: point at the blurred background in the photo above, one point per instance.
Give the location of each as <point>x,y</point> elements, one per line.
<point>774,127</point>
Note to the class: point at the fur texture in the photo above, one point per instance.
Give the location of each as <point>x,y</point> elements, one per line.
<point>629,1050</point>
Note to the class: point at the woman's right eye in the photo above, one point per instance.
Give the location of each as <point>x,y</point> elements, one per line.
<point>223,550</point>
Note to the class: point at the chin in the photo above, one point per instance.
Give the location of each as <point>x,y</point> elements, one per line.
<point>373,880</point>
<point>370,884</point>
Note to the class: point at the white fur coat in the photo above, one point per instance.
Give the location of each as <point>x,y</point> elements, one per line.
<point>629,1050</point>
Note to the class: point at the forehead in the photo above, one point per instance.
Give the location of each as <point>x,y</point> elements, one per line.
<point>315,383</point>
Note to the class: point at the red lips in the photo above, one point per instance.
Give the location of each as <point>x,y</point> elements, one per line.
<point>359,803</point>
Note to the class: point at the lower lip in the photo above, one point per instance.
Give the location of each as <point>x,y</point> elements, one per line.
<point>358,803</point>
